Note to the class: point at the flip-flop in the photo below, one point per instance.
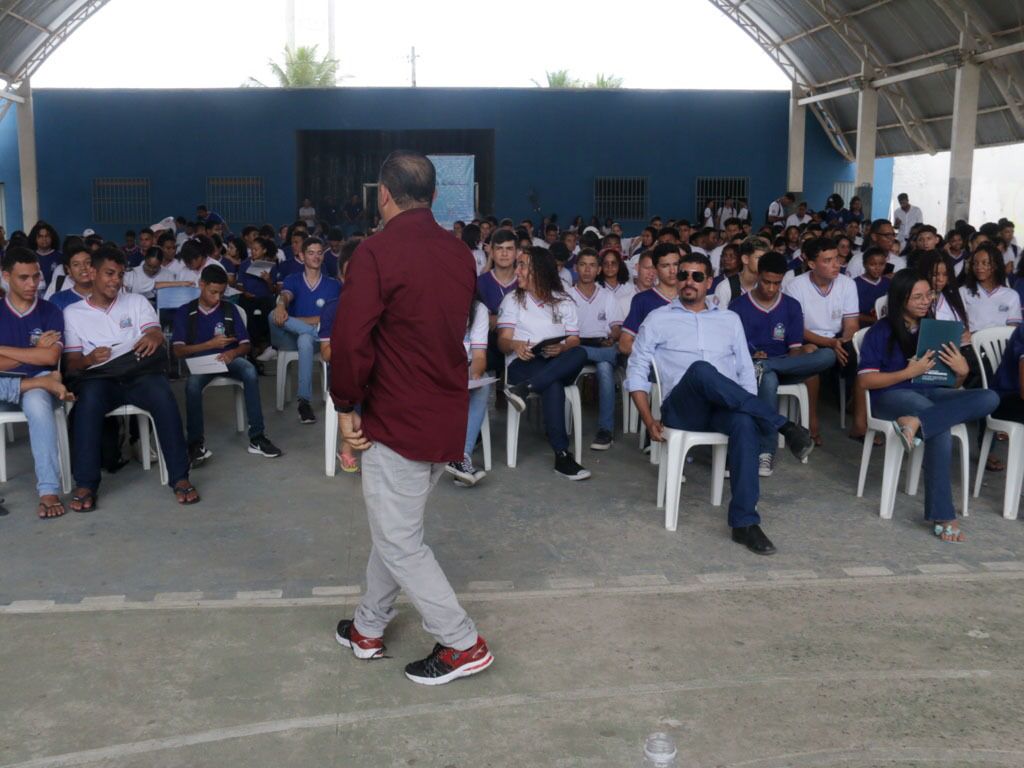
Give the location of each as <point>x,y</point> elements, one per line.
<point>45,508</point>
<point>908,443</point>
<point>181,494</point>
<point>992,464</point>
<point>955,534</point>
<point>82,498</point>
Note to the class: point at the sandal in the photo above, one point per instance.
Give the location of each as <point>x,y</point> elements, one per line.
<point>348,463</point>
<point>948,533</point>
<point>908,442</point>
<point>994,465</point>
<point>50,511</point>
<point>182,493</point>
<point>85,500</point>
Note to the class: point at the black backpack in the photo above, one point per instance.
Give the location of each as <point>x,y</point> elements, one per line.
<point>734,289</point>
<point>226,311</point>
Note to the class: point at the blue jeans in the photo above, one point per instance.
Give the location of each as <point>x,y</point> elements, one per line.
<point>706,401</point>
<point>241,370</point>
<point>295,334</point>
<point>97,397</point>
<point>604,358</point>
<point>477,412</point>
<point>548,376</point>
<point>37,405</point>
<point>789,370</point>
<point>939,409</point>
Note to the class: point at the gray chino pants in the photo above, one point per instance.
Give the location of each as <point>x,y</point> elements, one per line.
<point>395,490</point>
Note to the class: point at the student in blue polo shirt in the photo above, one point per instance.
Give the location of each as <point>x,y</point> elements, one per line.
<point>258,292</point>
<point>31,340</point>
<point>493,285</point>
<point>292,262</point>
<point>1008,381</point>
<point>666,263</point>
<point>774,327</point>
<point>297,317</point>
<point>44,239</point>
<point>871,285</point>
<point>201,328</point>
<point>78,264</point>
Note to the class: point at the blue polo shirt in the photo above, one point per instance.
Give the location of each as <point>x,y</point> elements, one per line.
<point>208,325</point>
<point>134,257</point>
<point>17,330</point>
<point>877,357</point>
<point>641,305</point>
<point>64,299</point>
<point>492,291</point>
<point>48,262</point>
<point>251,283</point>
<point>868,293</point>
<point>330,265</point>
<point>286,268</point>
<point>773,331</point>
<point>310,300</point>
<point>1007,378</point>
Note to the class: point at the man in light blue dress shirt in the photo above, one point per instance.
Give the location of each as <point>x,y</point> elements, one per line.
<point>708,385</point>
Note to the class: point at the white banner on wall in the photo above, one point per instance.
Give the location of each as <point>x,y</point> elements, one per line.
<point>454,199</point>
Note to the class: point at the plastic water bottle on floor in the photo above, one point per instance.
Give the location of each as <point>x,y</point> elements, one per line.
<point>659,752</point>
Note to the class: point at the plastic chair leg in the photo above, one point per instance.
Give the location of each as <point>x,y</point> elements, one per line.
<point>661,484</point>
<point>512,437</point>
<point>865,460</point>
<point>64,447</point>
<point>673,479</point>
<point>144,443</point>
<point>161,462</point>
<point>3,458</point>
<point>577,422</point>
<point>1014,476</point>
<point>240,418</point>
<point>719,453</point>
<point>986,446</point>
<point>485,438</point>
<point>842,403</point>
<point>890,476</point>
<point>282,379</point>
<point>914,470</point>
<point>965,469</point>
<point>330,442</point>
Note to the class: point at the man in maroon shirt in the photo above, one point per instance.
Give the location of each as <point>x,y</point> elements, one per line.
<point>396,349</point>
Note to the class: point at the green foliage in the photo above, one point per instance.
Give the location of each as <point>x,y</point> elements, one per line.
<point>303,69</point>
<point>561,78</point>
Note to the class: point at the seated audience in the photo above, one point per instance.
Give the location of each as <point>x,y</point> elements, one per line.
<point>614,276</point>
<point>989,303</point>
<point>210,326</point>
<point>708,385</point>
<point>78,282</point>
<point>539,334</point>
<point>888,366</point>
<point>665,259</point>
<point>113,341</point>
<point>745,278</point>
<point>871,285</point>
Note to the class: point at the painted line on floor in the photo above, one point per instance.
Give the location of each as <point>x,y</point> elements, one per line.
<point>349,589</point>
<point>863,571</point>
<point>860,755</point>
<point>1005,565</point>
<point>260,594</point>
<point>343,719</point>
<point>936,568</point>
<point>779,575</point>
<point>716,582</point>
<point>177,597</point>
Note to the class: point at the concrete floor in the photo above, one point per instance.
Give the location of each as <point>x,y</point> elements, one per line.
<point>147,634</point>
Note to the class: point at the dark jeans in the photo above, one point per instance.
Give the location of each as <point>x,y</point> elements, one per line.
<point>1011,408</point>
<point>97,397</point>
<point>706,401</point>
<point>241,370</point>
<point>257,313</point>
<point>547,377</point>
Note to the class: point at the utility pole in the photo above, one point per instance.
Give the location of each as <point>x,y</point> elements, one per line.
<point>289,24</point>
<point>330,28</point>
<point>412,60</point>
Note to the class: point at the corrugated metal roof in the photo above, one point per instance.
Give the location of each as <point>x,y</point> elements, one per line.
<point>824,45</point>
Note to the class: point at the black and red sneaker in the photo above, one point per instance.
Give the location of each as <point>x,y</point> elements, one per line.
<point>445,664</point>
<point>363,647</point>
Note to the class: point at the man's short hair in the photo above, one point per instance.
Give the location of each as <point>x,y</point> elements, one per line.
<point>664,249</point>
<point>409,176</point>
<point>669,231</point>
<point>190,251</point>
<point>754,244</point>
<point>146,231</point>
<point>874,250</point>
<point>214,274</point>
<point>697,258</point>
<point>772,262</point>
<point>732,222</point>
<point>587,252</point>
<point>551,228</point>
<point>166,237</point>
<point>108,252</point>
<point>902,196</point>
<point>812,248</point>
<point>311,241</point>
<point>789,196</point>
<point>20,255</point>
<point>502,236</point>
<point>559,251</point>
<point>877,225</point>
<point>72,249</point>
<point>248,229</point>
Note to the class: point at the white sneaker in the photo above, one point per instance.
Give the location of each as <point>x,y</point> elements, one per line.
<point>764,465</point>
<point>267,355</point>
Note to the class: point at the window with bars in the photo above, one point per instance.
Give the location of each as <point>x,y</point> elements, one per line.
<point>845,189</point>
<point>622,198</point>
<point>121,200</point>
<point>717,189</point>
<point>239,199</point>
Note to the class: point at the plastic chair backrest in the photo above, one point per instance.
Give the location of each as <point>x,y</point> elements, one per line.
<point>991,342</point>
<point>858,340</point>
<point>882,306</point>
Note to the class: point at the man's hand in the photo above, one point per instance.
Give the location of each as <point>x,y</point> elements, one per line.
<point>147,345</point>
<point>522,350</point>
<point>227,357</point>
<point>97,356</point>
<point>656,430</point>
<point>841,356</point>
<point>280,315</point>
<point>219,341</point>
<point>351,426</point>
<point>48,339</point>
<point>760,355</point>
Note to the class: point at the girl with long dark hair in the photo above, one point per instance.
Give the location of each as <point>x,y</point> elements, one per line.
<point>988,301</point>
<point>43,239</point>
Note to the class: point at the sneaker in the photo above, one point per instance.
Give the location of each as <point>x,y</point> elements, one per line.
<point>603,441</point>
<point>306,415</point>
<point>262,446</point>
<point>464,471</point>
<point>198,453</point>
<point>446,664</point>
<point>566,466</point>
<point>517,394</point>
<point>362,647</point>
<point>267,355</point>
<point>764,465</point>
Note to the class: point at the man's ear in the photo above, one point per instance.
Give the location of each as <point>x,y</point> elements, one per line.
<point>383,196</point>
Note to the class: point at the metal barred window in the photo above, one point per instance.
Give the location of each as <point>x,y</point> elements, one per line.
<point>239,199</point>
<point>845,190</point>
<point>718,188</point>
<point>121,200</point>
<point>622,198</point>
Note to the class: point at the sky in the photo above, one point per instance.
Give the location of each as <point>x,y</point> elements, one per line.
<point>459,43</point>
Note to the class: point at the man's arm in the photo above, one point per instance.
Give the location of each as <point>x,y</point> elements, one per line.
<point>45,356</point>
<point>850,327</point>
<point>351,343</point>
<point>745,375</point>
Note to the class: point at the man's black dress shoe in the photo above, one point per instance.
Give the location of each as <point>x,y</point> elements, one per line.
<point>754,539</point>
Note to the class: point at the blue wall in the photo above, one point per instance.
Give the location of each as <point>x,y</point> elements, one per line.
<point>10,170</point>
<point>554,142</point>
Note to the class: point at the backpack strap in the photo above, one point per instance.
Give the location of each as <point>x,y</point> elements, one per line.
<point>193,320</point>
<point>228,313</point>
<point>734,288</point>
<point>60,283</point>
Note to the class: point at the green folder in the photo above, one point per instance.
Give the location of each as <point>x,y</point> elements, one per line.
<point>934,335</point>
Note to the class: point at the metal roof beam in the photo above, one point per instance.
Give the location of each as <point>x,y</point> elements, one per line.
<point>822,27</point>
<point>7,95</point>
<point>27,21</point>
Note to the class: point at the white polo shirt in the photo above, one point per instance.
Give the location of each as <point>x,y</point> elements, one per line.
<point>905,221</point>
<point>192,276</point>
<point>624,297</point>
<point>137,281</point>
<point>598,314</point>
<point>944,311</point>
<point>795,220</point>
<point>123,322</point>
<point>991,310</point>
<point>536,321</point>
<point>476,333</point>
<point>824,311</point>
<point>722,297</point>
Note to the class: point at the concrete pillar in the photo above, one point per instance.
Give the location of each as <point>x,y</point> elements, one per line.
<point>27,158</point>
<point>289,24</point>
<point>867,131</point>
<point>797,131</point>
<point>962,141</point>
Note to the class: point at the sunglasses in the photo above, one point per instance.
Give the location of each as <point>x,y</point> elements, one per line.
<point>684,274</point>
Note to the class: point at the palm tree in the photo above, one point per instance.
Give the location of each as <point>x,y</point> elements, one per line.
<point>561,78</point>
<point>605,81</point>
<point>303,69</point>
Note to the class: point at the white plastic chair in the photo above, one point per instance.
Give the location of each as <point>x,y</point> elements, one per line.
<point>573,419</point>
<point>620,380</point>
<point>330,425</point>
<point>285,357</point>
<point>7,421</point>
<point>655,400</point>
<point>227,381</point>
<point>893,457</point>
<point>678,443</point>
<point>145,420</point>
<point>797,393</point>
<point>992,342</point>
<point>882,306</point>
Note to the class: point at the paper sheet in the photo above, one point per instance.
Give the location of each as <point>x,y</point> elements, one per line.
<point>483,381</point>
<point>257,268</point>
<point>205,364</point>
<point>117,351</point>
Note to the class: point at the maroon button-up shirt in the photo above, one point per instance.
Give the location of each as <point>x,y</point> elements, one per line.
<point>397,343</point>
